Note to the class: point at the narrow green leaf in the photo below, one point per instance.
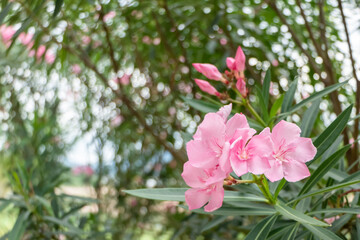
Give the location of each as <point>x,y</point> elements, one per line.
<point>297,216</point>
<point>276,106</point>
<point>289,96</point>
<point>178,194</point>
<point>291,233</point>
<point>317,95</point>
<point>339,223</point>
<point>213,223</point>
<point>358,227</point>
<point>324,190</point>
<point>280,185</point>
<point>262,229</point>
<point>63,223</point>
<point>263,105</point>
<point>309,118</point>
<point>201,105</point>
<point>58,5</point>
<point>277,233</point>
<point>5,12</point>
<point>234,211</point>
<point>336,211</point>
<point>266,88</point>
<point>20,225</point>
<point>332,132</point>
<point>322,233</point>
<point>324,167</point>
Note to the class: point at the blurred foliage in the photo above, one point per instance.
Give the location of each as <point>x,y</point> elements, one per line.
<point>45,108</point>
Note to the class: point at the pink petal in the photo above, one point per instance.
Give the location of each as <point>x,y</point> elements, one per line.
<point>194,177</point>
<point>240,60</point>
<point>216,198</point>
<point>213,127</point>
<point>225,111</point>
<point>275,173</point>
<point>196,198</point>
<point>234,123</point>
<point>258,165</point>
<point>40,51</point>
<point>241,137</point>
<point>208,70</point>
<point>304,150</point>
<point>285,132</point>
<point>224,159</point>
<point>240,167</point>
<point>295,171</point>
<point>241,87</point>
<point>260,145</point>
<point>200,155</point>
<point>230,62</point>
<point>206,87</point>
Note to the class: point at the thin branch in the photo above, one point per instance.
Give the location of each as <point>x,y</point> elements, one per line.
<point>357,97</point>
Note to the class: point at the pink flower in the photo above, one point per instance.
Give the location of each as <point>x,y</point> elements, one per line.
<point>230,62</point>
<point>125,79</point>
<point>40,51</point>
<point>275,63</point>
<point>206,186</point>
<point>85,40</point>
<point>110,15</point>
<point>49,58</point>
<point>290,152</point>
<point>209,71</point>
<point>26,39</point>
<point>86,170</point>
<point>223,41</point>
<point>250,154</point>
<point>331,219</point>
<point>206,87</point>
<point>6,34</point>
<point>116,121</point>
<point>237,63</point>
<point>213,138</point>
<point>241,86</point>
<point>75,68</point>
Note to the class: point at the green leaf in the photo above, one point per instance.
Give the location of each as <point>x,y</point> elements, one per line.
<point>336,211</point>
<point>63,223</point>
<point>289,96</point>
<point>58,5</point>
<point>213,223</point>
<point>262,229</point>
<point>263,107</point>
<point>266,88</point>
<point>339,223</point>
<point>297,216</point>
<point>20,225</point>
<point>234,211</point>
<point>317,95</point>
<point>178,194</point>
<point>322,233</point>
<point>324,167</point>
<point>309,118</point>
<point>5,12</point>
<point>358,227</point>
<point>280,185</point>
<point>201,105</point>
<point>276,106</point>
<point>324,190</point>
<point>291,233</point>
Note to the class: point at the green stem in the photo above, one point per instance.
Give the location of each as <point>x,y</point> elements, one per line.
<point>234,101</point>
<point>254,113</point>
<point>264,187</point>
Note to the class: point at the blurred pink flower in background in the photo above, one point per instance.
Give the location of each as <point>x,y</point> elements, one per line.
<point>26,39</point>
<point>49,57</point>
<point>40,52</point>
<point>116,121</point>
<point>76,69</point>
<point>223,41</point>
<point>85,40</point>
<point>7,32</point>
<point>275,63</point>
<point>110,15</point>
<point>86,170</point>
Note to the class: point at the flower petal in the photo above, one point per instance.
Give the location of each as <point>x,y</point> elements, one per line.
<point>260,145</point>
<point>207,87</point>
<point>295,171</point>
<point>208,70</point>
<point>258,165</point>
<point>240,60</point>
<point>237,121</point>
<point>304,150</point>
<point>216,198</point>
<point>196,198</point>
<point>285,131</point>
<point>225,111</point>
<point>224,159</point>
<point>230,62</point>
<point>200,155</point>
<point>275,173</point>
<point>240,167</point>
<point>193,176</point>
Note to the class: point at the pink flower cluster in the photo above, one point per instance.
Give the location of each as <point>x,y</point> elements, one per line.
<point>221,146</point>
<point>26,39</point>
<point>236,66</point>
<point>86,170</point>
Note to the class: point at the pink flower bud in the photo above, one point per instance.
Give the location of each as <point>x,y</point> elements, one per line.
<point>206,87</point>
<point>230,62</point>
<point>241,86</point>
<point>110,15</point>
<point>49,58</point>
<point>25,39</point>
<point>40,51</point>
<point>6,34</point>
<point>240,60</point>
<point>208,70</point>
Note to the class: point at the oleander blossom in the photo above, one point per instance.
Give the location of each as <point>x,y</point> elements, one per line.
<point>290,152</point>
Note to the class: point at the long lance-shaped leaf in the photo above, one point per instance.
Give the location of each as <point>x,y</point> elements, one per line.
<point>5,11</point>
<point>324,190</point>
<point>291,233</point>
<point>262,103</point>
<point>335,211</point>
<point>330,134</point>
<point>322,233</point>
<point>262,229</point>
<point>234,211</point>
<point>276,106</point>
<point>178,194</point>
<point>202,106</point>
<point>297,216</point>
<point>289,97</point>
<point>324,167</point>
<point>312,98</point>
<point>215,222</point>
<point>309,118</point>
<point>266,88</point>
<point>58,5</point>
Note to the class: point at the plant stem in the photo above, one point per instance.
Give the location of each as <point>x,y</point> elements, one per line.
<point>254,113</point>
